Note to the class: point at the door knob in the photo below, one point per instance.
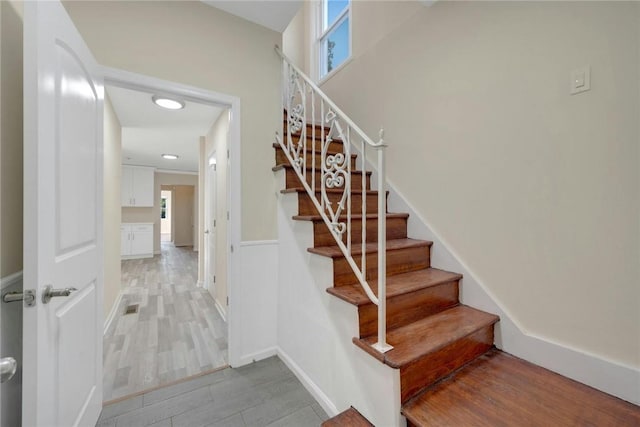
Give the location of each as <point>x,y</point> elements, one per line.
<point>8,366</point>
<point>49,293</point>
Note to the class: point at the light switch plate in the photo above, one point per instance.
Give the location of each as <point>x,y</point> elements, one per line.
<point>580,80</point>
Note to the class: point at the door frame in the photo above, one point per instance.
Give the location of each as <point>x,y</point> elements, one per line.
<point>140,82</point>
<point>207,213</point>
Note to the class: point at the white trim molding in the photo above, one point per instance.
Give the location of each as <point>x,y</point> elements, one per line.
<point>258,355</point>
<point>315,391</point>
<point>176,172</point>
<point>11,280</point>
<point>249,243</point>
<point>112,313</point>
<point>221,310</point>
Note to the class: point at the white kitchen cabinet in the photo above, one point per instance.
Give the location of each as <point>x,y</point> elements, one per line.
<point>137,186</point>
<point>136,240</point>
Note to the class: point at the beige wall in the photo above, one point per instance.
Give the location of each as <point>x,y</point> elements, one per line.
<point>183,215</point>
<point>293,45</point>
<point>10,138</point>
<point>152,215</point>
<point>538,191</point>
<point>192,43</point>
<point>112,210</point>
<point>216,140</point>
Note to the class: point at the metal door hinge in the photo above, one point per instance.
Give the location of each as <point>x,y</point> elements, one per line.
<point>227,301</point>
<point>227,154</point>
<point>28,296</point>
<point>214,279</point>
<point>227,215</point>
<point>231,248</point>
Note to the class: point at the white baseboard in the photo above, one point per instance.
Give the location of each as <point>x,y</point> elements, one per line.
<point>11,280</point>
<point>259,355</point>
<point>221,310</point>
<point>112,313</point>
<point>129,257</point>
<point>308,383</point>
<point>590,369</point>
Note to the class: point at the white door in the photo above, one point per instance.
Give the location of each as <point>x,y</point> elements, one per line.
<point>63,113</point>
<point>210,227</point>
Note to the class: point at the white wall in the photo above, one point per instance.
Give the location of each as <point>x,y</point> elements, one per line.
<point>183,216</point>
<point>112,210</point>
<point>192,43</point>
<point>11,144</point>
<point>315,330</point>
<point>535,190</point>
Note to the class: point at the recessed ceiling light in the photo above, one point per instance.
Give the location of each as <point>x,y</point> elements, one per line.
<point>168,103</point>
<point>170,156</point>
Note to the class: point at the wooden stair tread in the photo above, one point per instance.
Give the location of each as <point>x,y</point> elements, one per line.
<point>349,418</point>
<point>500,389</point>
<point>428,335</point>
<point>286,166</point>
<point>398,284</point>
<point>335,252</point>
<point>353,216</point>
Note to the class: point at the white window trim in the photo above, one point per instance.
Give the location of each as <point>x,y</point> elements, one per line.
<point>321,35</point>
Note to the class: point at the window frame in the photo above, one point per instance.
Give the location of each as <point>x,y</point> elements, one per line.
<point>322,35</point>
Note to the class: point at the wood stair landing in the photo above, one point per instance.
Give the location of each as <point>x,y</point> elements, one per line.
<point>349,418</point>
<point>500,389</point>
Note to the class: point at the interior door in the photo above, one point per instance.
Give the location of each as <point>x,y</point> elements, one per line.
<point>210,228</point>
<point>63,113</point>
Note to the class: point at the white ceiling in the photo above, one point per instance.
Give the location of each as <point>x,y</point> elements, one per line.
<point>148,131</point>
<point>273,14</point>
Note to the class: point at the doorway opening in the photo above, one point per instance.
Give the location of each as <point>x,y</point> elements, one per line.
<point>180,328</point>
<point>165,216</point>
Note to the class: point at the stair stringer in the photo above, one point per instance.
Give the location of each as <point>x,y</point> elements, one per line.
<point>315,329</point>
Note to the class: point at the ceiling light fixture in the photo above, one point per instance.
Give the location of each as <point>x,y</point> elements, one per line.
<point>168,103</point>
<point>170,156</point>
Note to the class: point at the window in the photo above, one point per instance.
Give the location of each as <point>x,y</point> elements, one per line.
<point>335,36</point>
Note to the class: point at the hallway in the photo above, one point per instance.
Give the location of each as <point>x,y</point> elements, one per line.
<point>175,333</point>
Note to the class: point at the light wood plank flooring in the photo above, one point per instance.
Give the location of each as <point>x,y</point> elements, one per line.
<point>176,333</point>
<point>265,393</point>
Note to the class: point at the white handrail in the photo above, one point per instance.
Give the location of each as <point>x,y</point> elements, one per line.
<point>335,174</point>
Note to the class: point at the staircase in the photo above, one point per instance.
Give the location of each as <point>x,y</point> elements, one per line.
<point>450,371</point>
<point>431,332</point>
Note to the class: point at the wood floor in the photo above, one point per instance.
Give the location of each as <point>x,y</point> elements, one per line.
<point>500,389</point>
<point>265,393</point>
<point>175,333</point>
